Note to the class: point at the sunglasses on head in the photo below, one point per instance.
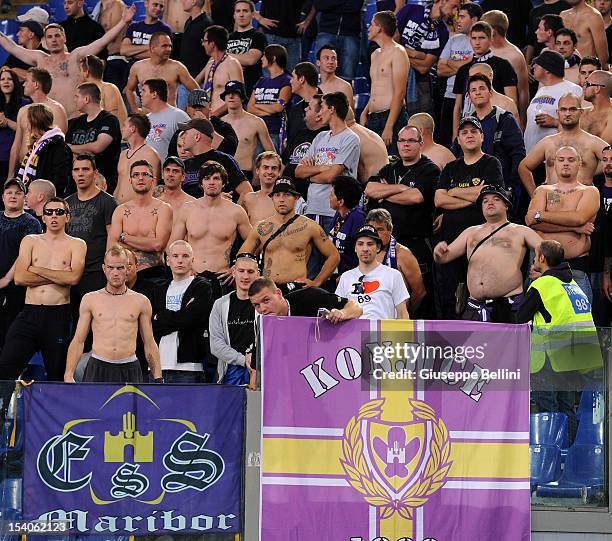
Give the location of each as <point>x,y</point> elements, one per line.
<point>57,212</point>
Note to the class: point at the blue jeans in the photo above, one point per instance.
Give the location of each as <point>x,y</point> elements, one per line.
<point>316,259</point>
<point>293,46</point>
<point>377,122</point>
<point>582,279</point>
<point>348,52</point>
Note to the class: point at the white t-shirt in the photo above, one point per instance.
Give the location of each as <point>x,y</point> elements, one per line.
<point>163,126</point>
<point>383,289</point>
<point>546,101</point>
<point>168,345</point>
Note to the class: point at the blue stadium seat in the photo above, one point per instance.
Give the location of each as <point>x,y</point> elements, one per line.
<point>583,475</point>
<point>590,432</point>
<point>545,463</point>
<point>361,100</point>
<point>549,429</point>
<point>360,85</point>
<point>589,401</point>
<point>140,10</point>
<point>361,70</point>
<point>370,11</point>
<point>10,496</point>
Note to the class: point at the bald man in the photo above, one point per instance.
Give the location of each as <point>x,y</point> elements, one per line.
<point>438,154</point>
<point>565,211</point>
<point>589,147</point>
<point>597,91</point>
<point>39,192</point>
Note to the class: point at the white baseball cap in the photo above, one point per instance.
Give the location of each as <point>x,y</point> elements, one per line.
<point>35,14</point>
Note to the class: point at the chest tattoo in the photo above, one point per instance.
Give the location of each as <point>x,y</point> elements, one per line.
<point>265,228</point>
<point>127,212</point>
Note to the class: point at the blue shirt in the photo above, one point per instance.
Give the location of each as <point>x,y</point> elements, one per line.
<point>343,234</point>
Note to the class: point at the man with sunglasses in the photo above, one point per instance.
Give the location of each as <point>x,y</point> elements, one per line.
<point>589,147</point>
<point>378,289</point>
<point>48,264</point>
<point>598,120</point>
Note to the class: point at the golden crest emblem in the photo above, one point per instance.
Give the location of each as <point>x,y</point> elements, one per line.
<point>396,466</point>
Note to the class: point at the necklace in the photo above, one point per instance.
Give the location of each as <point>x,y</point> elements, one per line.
<point>127,152</point>
<point>116,294</point>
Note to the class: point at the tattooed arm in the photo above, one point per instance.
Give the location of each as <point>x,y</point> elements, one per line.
<point>329,252</point>
<point>253,241</point>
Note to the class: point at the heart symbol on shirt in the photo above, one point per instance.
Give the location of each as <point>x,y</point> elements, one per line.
<point>369,287</point>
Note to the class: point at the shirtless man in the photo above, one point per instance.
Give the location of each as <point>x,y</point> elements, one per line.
<point>48,265</point>
<point>210,224</point>
<point>373,154</point>
<point>62,65</point>
<point>171,190</point>
<point>497,99</point>
<point>327,62</point>
<point>259,205</point>
<point>92,71</point>
<point>598,119</point>
<point>565,212</point>
<point>114,314</point>
<point>589,146</point>
<point>504,49</point>
<point>110,14</point>
<point>134,132</point>
<point>219,69</point>
<point>36,86</point>
<point>175,15</point>
<point>385,112</point>
<point>438,154</point>
<point>158,66</point>
<point>494,277</point>
<point>143,224</point>
<point>249,128</point>
<point>588,24</point>
<point>286,256</point>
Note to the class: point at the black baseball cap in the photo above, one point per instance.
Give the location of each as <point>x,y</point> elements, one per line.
<point>15,182</point>
<point>175,160</point>
<point>234,87</point>
<point>197,98</point>
<point>284,185</point>
<point>470,120</point>
<point>494,190</point>
<point>370,232</point>
<point>203,125</point>
<point>34,26</point>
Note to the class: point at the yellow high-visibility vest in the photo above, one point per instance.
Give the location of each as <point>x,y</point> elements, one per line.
<point>570,338</point>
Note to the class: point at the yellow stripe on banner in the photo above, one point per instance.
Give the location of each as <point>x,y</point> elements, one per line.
<point>308,456</point>
<point>395,410</point>
<point>486,459</point>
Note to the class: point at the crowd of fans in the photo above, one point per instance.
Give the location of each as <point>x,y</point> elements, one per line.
<point>166,178</point>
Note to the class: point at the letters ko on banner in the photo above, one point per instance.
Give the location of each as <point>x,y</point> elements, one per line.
<point>394,430</point>
<point>134,459</point>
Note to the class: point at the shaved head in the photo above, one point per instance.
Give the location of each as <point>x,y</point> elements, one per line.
<point>423,121</point>
<point>601,77</point>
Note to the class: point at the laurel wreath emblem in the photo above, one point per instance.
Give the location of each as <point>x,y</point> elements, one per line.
<point>362,480</point>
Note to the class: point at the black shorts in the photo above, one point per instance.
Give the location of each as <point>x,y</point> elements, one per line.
<point>98,371</point>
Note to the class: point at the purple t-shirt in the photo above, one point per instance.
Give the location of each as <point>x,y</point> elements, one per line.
<point>267,91</point>
<point>140,33</point>
<point>419,32</point>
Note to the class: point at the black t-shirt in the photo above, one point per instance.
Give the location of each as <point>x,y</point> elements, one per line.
<point>306,302</point>
<point>609,38</point>
<point>457,174</point>
<point>240,318</point>
<point>296,149</point>
<point>242,42</point>
<point>88,221</point>
<point>286,12</point>
<point>81,132</point>
<point>224,129</point>
<point>410,220</point>
<point>82,31</point>
<point>234,174</point>
<point>12,231</point>
<point>503,74</point>
<point>534,19</point>
<point>193,34</point>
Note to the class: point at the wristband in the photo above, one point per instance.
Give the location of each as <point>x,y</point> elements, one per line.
<point>282,101</point>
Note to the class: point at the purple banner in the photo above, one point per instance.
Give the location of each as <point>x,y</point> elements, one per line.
<point>398,431</point>
<point>140,460</point>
